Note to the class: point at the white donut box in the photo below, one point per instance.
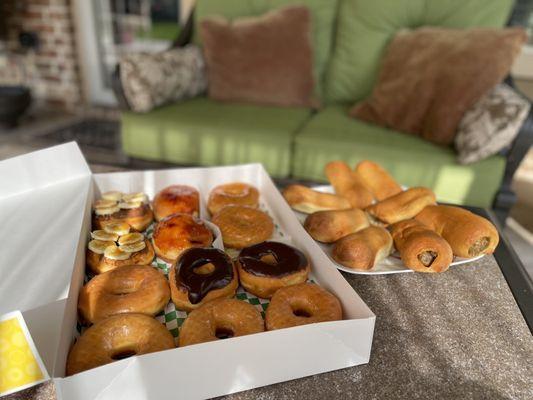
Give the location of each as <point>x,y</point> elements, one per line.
<point>45,209</point>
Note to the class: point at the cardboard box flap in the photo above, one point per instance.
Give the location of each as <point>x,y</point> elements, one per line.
<point>43,199</point>
<point>319,348</point>
<point>42,168</point>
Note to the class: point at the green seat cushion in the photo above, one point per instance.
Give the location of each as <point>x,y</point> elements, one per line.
<point>364,29</point>
<point>205,132</point>
<point>323,13</point>
<point>333,135</point>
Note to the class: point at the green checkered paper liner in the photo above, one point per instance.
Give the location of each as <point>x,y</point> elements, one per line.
<point>173,318</point>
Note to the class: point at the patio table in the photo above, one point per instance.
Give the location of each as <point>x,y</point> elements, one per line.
<point>463,334</point>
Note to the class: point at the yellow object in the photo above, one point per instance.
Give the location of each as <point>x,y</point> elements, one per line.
<point>20,365</point>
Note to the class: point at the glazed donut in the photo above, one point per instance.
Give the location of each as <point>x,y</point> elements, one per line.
<point>117,337</point>
<point>117,207</point>
<point>103,256</point>
<point>237,193</point>
<point>243,226</point>
<point>176,199</point>
<point>301,304</point>
<point>220,319</point>
<point>178,232</point>
<point>133,289</point>
<point>201,275</point>
<point>268,266</point>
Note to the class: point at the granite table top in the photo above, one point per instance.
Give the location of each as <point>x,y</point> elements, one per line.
<point>456,335</point>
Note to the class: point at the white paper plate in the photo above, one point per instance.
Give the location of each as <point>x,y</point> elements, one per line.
<point>390,265</point>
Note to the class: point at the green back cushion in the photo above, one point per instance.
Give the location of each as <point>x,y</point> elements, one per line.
<point>364,28</point>
<point>323,14</point>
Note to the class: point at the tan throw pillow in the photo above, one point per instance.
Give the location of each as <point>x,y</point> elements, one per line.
<point>491,125</point>
<point>263,60</point>
<point>151,80</point>
<point>431,76</point>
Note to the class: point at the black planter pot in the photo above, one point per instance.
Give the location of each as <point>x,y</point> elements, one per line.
<point>14,101</point>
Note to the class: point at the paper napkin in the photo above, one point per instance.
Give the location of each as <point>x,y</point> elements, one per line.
<point>20,363</point>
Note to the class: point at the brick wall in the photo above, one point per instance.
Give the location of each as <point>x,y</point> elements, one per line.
<point>52,70</point>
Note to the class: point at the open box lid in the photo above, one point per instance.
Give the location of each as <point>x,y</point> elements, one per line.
<point>43,200</point>
<point>43,197</point>
<point>49,202</point>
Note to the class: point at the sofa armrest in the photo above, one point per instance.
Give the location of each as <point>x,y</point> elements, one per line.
<point>505,198</point>
<point>185,36</point>
<point>118,90</point>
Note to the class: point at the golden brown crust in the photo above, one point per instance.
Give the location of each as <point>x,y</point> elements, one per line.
<point>302,304</point>
<point>375,178</point>
<point>180,295</point>
<point>421,249</point>
<point>243,226</point>
<point>138,218</point>
<point>132,289</point>
<point>468,234</point>
<point>401,206</point>
<point>98,264</point>
<point>220,318</point>
<point>114,338</point>
<point>348,184</point>
<point>174,199</point>
<point>363,249</point>
<point>236,193</point>
<point>178,232</point>
<point>330,226</point>
<point>308,201</point>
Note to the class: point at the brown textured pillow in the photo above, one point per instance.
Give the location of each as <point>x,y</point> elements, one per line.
<point>430,76</point>
<point>263,60</point>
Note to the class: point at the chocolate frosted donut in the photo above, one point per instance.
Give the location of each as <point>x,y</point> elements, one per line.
<point>201,275</point>
<point>268,266</point>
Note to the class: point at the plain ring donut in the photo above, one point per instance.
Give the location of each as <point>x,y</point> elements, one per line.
<point>243,226</point>
<point>302,304</point>
<point>220,319</point>
<point>117,337</point>
<point>131,289</point>
<point>236,193</point>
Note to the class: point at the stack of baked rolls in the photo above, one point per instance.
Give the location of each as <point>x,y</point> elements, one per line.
<point>370,215</point>
<point>124,293</point>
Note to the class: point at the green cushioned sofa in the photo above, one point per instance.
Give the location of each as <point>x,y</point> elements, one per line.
<point>349,38</point>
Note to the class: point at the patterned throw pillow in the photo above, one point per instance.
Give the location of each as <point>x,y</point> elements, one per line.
<point>491,124</point>
<point>151,80</point>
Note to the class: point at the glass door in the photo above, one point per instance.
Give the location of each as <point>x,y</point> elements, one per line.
<point>108,29</point>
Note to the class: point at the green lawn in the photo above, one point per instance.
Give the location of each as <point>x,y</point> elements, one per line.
<point>161,31</point>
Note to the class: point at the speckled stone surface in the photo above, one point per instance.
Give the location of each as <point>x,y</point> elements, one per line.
<point>457,335</point>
